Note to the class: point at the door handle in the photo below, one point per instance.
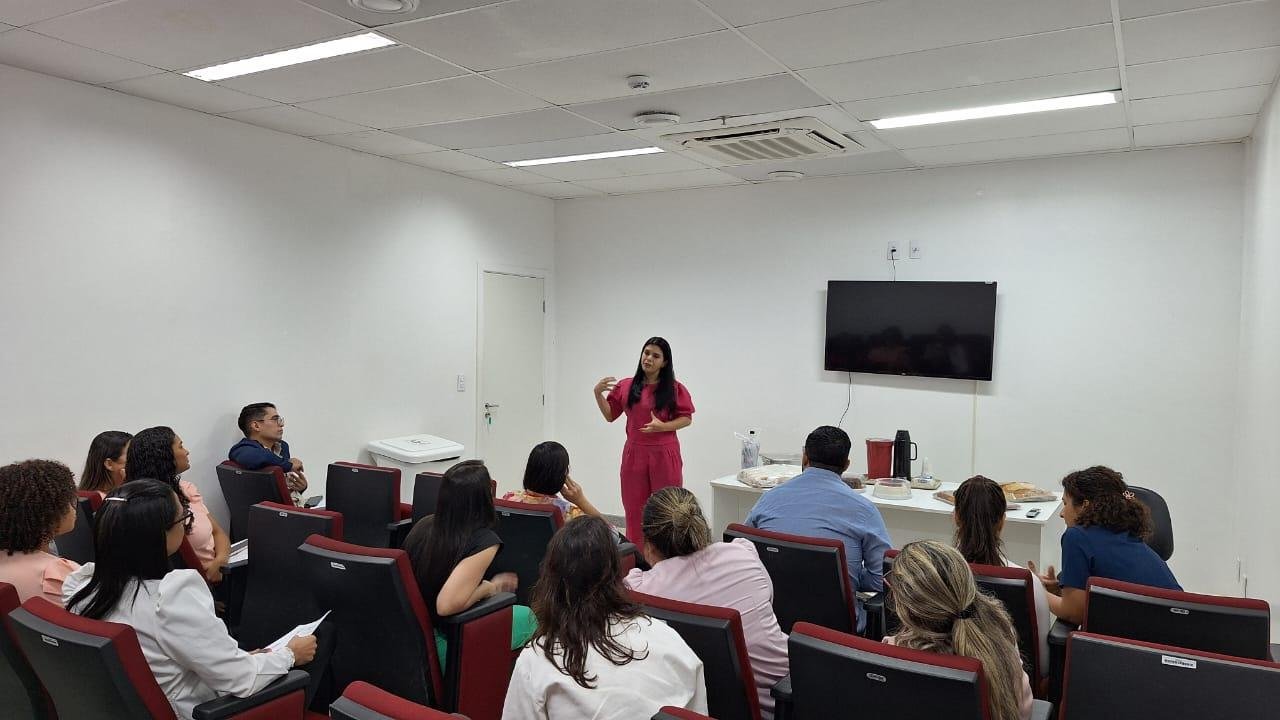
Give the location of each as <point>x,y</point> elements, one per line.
<point>490,406</point>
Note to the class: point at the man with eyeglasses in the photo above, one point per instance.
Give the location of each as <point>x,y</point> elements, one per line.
<point>263,446</point>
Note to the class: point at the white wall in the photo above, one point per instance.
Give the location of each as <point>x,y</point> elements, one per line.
<point>161,266</point>
<point>1259,427</point>
<point>1119,305</point>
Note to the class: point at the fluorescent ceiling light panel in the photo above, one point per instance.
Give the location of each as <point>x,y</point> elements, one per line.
<point>990,111</point>
<point>296,56</point>
<point>588,156</point>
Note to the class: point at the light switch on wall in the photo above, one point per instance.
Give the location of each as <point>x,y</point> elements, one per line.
<point>462,383</point>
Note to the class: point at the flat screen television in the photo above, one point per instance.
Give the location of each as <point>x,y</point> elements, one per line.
<point>930,329</point>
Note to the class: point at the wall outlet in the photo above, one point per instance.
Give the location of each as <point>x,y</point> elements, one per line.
<point>894,251</point>
<point>462,383</point>
<point>914,252</point>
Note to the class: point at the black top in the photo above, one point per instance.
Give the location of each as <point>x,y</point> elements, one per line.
<point>416,546</point>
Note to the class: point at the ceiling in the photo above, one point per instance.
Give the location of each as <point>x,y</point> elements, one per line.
<point>474,83</point>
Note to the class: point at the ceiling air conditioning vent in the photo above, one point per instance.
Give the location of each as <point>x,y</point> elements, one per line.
<point>795,139</point>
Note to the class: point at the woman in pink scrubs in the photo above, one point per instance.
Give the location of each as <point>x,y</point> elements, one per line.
<point>656,406</point>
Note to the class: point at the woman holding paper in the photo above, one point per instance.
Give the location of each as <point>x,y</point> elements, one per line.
<point>193,658</point>
<point>656,406</point>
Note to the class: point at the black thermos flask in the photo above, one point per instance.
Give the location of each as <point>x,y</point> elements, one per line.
<point>904,451</point>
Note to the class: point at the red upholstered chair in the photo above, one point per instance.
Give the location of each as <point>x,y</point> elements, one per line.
<point>835,673</point>
<point>385,635</point>
<point>1110,677</point>
<point>20,690</point>
<point>670,712</point>
<point>95,500</point>
<point>1212,623</point>
<point>810,577</point>
<point>715,636</point>
<point>242,489</point>
<point>95,670</point>
<point>525,529</point>
<point>1014,587</point>
<point>362,701</point>
<point>426,494</point>
<point>77,545</point>
<point>368,497</point>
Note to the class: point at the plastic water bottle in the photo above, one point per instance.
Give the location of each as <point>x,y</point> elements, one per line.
<point>750,450</point>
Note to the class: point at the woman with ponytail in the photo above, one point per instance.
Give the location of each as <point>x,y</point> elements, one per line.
<point>1106,532</point>
<point>688,567</point>
<point>979,517</point>
<point>656,406</point>
<point>941,611</point>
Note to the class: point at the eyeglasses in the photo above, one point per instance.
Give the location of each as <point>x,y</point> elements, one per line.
<point>188,520</point>
<point>276,419</point>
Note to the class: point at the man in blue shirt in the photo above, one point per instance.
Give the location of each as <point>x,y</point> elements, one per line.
<point>263,445</point>
<point>818,503</point>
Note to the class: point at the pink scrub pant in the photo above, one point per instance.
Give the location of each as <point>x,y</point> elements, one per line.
<point>645,470</point>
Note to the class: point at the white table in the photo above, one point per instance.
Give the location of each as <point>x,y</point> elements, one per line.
<point>922,517</point>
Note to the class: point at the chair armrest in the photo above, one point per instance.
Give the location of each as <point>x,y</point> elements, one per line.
<point>489,605</point>
<point>781,692</point>
<point>229,706</point>
<point>873,607</point>
<point>1059,632</point>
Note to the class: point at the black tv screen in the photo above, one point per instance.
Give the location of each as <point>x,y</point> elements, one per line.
<point>931,329</point>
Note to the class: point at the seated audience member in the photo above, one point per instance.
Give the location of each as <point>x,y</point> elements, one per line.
<point>979,518</point>
<point>37,503</point>
<point>545,475</point>
<point>595,654</point>
<point>817,503</point>
<point>941,611</point>
<point>104,466</point>
<point>688,567</point>
<point>1105,537</point>
<point>451,551</point>
<point>263,445</point>
<point>192,656</point>
<point>158,454</point>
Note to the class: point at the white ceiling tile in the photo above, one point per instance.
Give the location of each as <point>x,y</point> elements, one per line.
<point>345,75</point>
<point>532,31</point>
<point>1030,125</point>
<point>25,12</point>
<point>618,167</point>
<point>713,58</point>
<point>559,190</point>
<point>744,97</point>
<point>1140,8</point>
<point>1041,146</point>
<point>1056,53</point>
<point>749,12</point>
<point>190,93</point>
<point>1205,72</point>
<point>990,94</point>
<point>27,50</point>
<point>505,176</point>
<point>1243,26</point>
<point>186,34</point>
<point>441,101</point>
<point>287,118</point>
<point>528,127</point>
<point>878,29</point>
<point>425,9</point>
<point>560,148</point>
<point>378,142</point>
<point>1199,106</point>
<point>1194,131</point>
<point>667,181</point>
<point>825,167</point>
<point>450,161</point>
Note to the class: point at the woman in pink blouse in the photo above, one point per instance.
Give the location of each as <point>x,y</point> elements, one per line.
<point>688,567</point>
<point>37,504</point>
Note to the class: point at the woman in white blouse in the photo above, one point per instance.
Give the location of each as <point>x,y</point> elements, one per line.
<point>193,658</point>
<point>595,654</point>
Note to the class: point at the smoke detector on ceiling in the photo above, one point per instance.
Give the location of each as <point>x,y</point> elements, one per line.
<point>656,119</point>
<point>785,175</point>
<point>794,139</point>
<point>387,7</point>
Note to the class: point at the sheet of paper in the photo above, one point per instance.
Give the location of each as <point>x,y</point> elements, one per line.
<point>239,552</point>
<point>300,631</point>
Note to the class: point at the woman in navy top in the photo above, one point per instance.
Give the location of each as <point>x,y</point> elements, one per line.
<point>1106,529</point>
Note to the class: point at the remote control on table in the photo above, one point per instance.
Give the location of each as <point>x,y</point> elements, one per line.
<point>1033,512</point>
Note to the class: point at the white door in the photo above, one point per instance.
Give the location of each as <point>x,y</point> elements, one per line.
<point>511,389</point>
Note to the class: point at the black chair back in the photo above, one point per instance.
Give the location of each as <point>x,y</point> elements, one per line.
<point>525,529</point>
<point>810,578</point>
<point>1161,539</point>
<point>277,596</point>
<point>242,489</point>
<point>1012,586</point>
<point>715,636</point>
<point>426,494</point>
<point>1161,681</point>
<point>20,690</point>
<point>369,500</point>
<point>77,545</point>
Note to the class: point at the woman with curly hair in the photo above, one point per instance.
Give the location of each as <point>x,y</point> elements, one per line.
<point>104,466</point>
<point>37,504</point>
<point>595,654</point>
<point>1106,531</point>
<point>158,454</point>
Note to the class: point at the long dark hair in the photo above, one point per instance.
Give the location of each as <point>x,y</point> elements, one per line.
<point>664,395</point>
<point>980,506</point>
<point>106,446</point>
<point>151,458</point>
<point>465,505</point>
<point>129,545</point>
<point>1111,505</point>
<point>579,592</point>
<point>547,469</point>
